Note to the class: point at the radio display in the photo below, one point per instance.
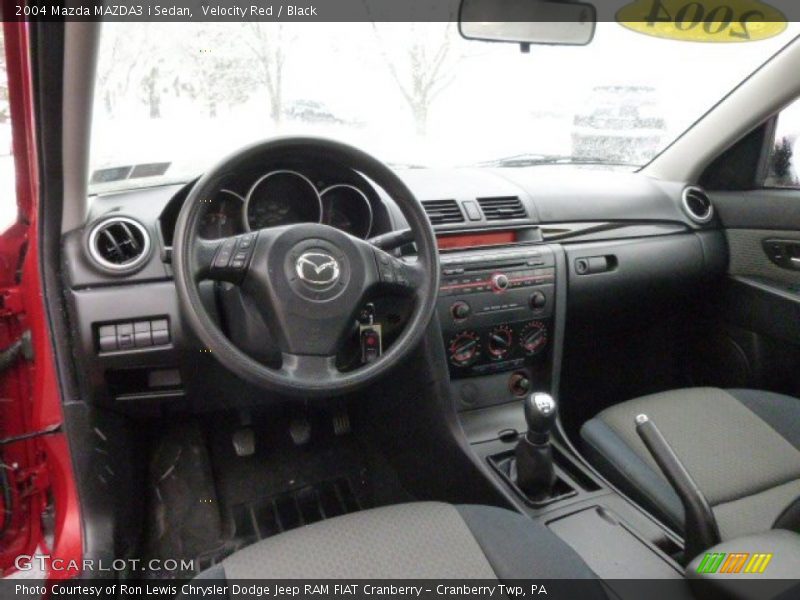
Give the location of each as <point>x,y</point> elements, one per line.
<point>475,240</point>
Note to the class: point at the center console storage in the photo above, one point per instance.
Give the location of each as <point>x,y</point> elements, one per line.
<point>569,480</point>
<point>612,547</point>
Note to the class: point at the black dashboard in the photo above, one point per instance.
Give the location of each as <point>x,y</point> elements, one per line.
<point>599,239</point>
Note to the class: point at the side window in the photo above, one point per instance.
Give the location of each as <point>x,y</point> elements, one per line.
<point>784,161</point>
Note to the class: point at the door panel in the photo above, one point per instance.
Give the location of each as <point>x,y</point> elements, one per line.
<point>749,256</point>
<point>755,317</point>
<point>38,498</point>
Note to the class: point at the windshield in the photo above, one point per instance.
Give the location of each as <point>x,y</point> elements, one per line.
<point>171,99</point>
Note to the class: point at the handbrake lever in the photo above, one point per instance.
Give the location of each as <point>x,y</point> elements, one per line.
<point>700,525</point>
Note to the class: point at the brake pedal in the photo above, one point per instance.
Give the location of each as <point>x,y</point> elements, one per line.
<point>300,430</point>
<point>244,441</point>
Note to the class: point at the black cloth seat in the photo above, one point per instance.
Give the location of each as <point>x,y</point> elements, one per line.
<point>742,447</point>
<point>421,540</point>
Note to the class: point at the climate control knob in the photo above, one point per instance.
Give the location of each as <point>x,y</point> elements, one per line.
<point>500,342</point>
<point>500,282</point>
<point>464,348</point>
<point>533,338</point>
<point>460,310</point>
<point>538,300</point>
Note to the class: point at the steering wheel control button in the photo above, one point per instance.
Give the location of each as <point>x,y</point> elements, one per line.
<point>224,253</point>
<point>392,270</point>
<point>232,257</point>
<point>246,241</point>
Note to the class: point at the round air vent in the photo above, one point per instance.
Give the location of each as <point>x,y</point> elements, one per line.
<point>119,244</point>
<point>697,205</point>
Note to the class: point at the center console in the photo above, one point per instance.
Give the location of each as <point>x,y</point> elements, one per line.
<point>502,315</point>
<point>496,310</point>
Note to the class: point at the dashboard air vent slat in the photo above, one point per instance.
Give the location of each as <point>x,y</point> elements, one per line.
<point>442,212</point>
<point>502,208</point>
<point>119,244</point>
<point>697,205</point>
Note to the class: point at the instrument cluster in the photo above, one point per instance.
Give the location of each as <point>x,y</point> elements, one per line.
<point>285,197</point>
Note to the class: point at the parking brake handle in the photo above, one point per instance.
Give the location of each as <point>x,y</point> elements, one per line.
<point>700,526</point>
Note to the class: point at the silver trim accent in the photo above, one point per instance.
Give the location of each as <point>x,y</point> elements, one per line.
<point>701,219</point>
<point>232,193</point>
<point>360,193</point>
<point>109,266</point>
<point>544,402</point>
<point>279,172</point>
<point>329,262</point>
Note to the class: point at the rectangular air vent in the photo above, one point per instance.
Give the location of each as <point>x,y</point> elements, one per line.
<point>442,212</point>
<point>502,208</point>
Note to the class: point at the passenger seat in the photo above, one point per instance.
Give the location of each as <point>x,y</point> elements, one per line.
<point>742,447</point>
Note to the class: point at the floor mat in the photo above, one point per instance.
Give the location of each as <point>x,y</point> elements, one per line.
<point>279,487</point>
<point>264,518</point>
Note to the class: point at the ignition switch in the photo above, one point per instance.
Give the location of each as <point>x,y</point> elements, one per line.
<point>370,335</point>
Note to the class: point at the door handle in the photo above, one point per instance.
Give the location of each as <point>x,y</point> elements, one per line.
<point>784,253</point>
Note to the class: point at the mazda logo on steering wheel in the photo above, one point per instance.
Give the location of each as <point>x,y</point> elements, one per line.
<point>317,268</point>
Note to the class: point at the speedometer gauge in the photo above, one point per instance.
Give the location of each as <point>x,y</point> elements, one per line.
<point>282,198</point>
<point>347,208</point>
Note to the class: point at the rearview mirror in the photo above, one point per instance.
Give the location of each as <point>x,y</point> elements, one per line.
<point>527,21</point>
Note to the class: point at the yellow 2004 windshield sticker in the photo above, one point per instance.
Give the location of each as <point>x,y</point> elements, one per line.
<point>720,21</point>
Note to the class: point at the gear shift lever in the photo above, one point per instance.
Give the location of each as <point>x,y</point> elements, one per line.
<point>535,475</point>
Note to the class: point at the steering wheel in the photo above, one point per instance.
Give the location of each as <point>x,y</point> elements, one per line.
<point>307,280</point>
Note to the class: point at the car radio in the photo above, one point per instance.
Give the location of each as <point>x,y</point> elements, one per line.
<point>495,307</point>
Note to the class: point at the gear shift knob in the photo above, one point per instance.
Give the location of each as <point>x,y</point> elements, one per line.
<point>535,474</point>
<point>540,414</point>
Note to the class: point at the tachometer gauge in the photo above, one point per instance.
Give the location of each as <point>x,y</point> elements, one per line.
<point>223,217</point>
<point>282,198</point>
<point>347,208</point>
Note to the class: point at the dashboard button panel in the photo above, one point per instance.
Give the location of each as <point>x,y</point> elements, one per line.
<point>134,335</point>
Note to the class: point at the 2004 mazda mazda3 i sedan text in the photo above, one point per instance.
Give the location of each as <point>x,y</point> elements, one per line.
<point>458,299</point>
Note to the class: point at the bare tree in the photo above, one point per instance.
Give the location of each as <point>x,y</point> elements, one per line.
<point>151,87</point>
<point>268,43</point>
<point>117,65</point>
<point>423,69</point>
<point>218,70</point>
